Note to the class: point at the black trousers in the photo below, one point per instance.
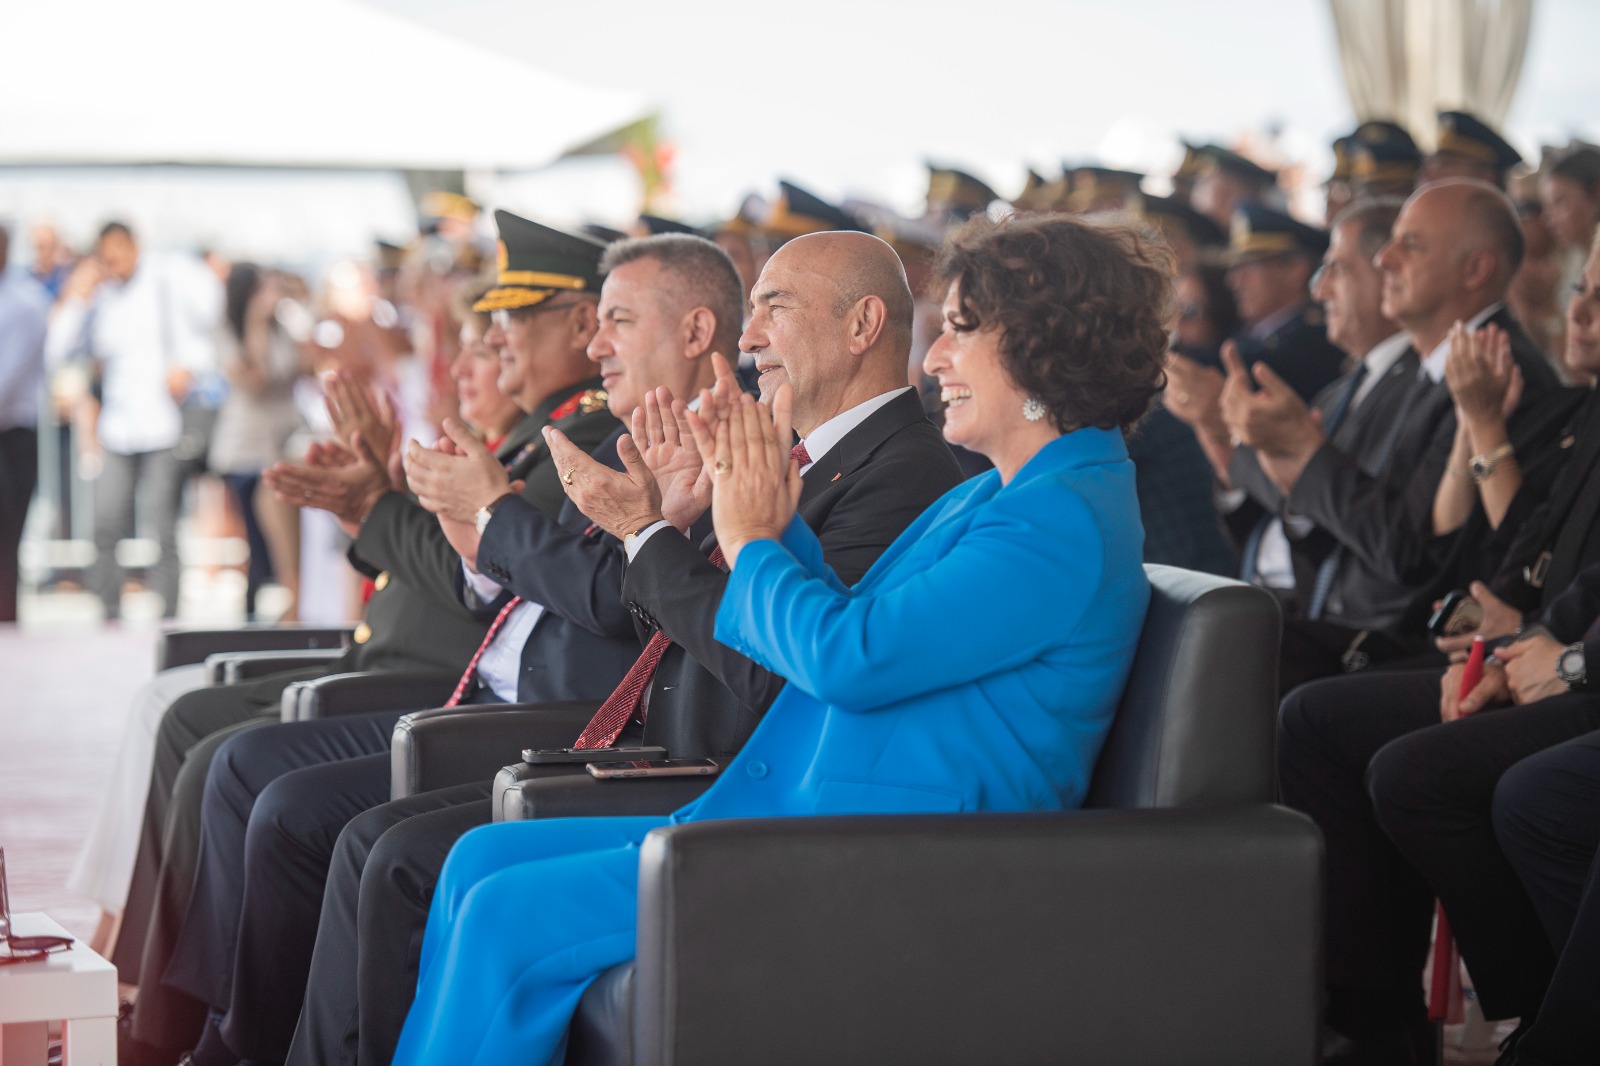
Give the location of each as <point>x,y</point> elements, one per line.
<point>191,731</point>
<point>275,802</point>
<point>1547,820</point>
<point>1404,804</point>
<point>19,475</point>
<point>369,943</point>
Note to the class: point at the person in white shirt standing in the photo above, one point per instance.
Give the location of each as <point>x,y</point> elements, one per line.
<point>147,323</point>
<point>24,310</point>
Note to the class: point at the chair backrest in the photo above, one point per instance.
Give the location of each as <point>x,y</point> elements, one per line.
<point>1197,720</point>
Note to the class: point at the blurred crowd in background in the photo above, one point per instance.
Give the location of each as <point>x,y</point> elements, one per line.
<point>143,390</point>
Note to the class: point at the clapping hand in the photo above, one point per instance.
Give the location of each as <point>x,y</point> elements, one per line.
<point>458,477</point>
<point>757,482</point>
<point>666,443</point>
<point>352,410</point>
<point>1483,379</point>
<point>1194,395</point>
<point>345,482</point>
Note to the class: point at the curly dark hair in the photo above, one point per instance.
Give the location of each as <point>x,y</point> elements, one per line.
<point>1082,305</point>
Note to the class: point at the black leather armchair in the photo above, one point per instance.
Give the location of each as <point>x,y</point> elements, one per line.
<point>1180,923</point>
<point>366,692</point>
<point>181,647</point>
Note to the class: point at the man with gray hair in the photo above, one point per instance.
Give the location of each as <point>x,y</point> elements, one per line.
<point>1453,251</point>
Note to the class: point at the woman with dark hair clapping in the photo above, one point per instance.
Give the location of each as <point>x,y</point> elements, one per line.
<point>975,667</point>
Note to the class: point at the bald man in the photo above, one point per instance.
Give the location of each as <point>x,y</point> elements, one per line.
<point>831,315</point>
<point>1450,258</point>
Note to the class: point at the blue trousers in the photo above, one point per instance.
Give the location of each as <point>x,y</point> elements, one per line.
<point>526,915</point>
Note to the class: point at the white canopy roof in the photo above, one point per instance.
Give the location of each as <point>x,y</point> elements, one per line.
<point>318,83</point>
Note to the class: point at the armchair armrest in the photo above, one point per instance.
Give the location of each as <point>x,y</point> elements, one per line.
<point>367,692</point>
<point>445,746</point>
<point>180,647</point>
<point>230,667</point>
<point>1092,936</point>
<point>522,792</point>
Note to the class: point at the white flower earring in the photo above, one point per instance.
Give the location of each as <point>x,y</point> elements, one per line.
<point>1033,409</point>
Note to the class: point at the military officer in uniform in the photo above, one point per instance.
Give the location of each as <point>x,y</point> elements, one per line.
<point>1468,147</point>
<point>1271,260</point>
<point>1384,160</point>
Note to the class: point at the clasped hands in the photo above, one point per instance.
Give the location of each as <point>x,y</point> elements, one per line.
<point>1523,672</point>
<point>1272,419</point>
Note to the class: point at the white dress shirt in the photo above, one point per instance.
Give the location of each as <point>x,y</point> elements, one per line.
<point>500,665</point>
<point>1433,365</point>
<point>162,318</point>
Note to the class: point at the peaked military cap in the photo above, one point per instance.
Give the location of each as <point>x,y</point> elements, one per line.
<point>537,262</point>
<point>656,225</point>
<point>1261,233</point>
<point>1170,214</point>
<point>1461,133</point>
<point>957,191</point>
<point>1095,186</point>
<point>1214,158</point>
<point>1041,194</point>
<point>1341,159</point>
<point>799,212</point>
<point>1383,152</point>
<point>1189,167</point>
<point>603,234</point>
<point>439,203</point>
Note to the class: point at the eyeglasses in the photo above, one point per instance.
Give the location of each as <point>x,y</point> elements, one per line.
<point>504,318</point>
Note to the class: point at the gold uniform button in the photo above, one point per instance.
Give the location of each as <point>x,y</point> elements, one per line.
<point>362,634</point>
<point>382,581</point>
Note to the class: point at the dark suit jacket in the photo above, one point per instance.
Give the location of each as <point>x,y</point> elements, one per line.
<point>1562,516</point>
<point>1368,598</point>
<point>705,698</point>
<point>1385,519</point>
<point>416,620</point>
<point>1574,616</point>
<point>586,640</point>
<point>1298,351</point>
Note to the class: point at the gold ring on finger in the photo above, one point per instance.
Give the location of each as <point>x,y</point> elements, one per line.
<point>721,466</point>
<point>566,478</point>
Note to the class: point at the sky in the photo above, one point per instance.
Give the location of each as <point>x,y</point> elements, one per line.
<point>848,97</point>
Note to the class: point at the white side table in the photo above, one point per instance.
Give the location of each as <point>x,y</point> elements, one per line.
<point>75,987</point>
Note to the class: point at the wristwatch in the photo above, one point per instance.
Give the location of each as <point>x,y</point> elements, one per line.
<point>486,512</point>
<point>1570,667</point>
<point>1483,465</point>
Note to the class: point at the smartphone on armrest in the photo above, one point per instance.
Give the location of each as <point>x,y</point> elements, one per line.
<point>548,756</point>
<point>605,771</point>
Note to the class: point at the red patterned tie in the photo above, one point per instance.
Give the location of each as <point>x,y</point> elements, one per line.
<point>488,639</point>
<point>799,452</point>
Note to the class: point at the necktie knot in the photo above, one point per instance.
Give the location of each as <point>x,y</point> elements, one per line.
<point>799,452</point>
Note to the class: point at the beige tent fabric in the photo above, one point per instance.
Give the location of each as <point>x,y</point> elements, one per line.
<point>1406,59</point>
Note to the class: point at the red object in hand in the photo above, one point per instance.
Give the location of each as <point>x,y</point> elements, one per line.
<point>1444,991</point>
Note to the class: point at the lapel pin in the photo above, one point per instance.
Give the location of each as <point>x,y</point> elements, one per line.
<point>837,476</point>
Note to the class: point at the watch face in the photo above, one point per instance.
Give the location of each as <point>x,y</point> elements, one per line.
<point>1570,665</point>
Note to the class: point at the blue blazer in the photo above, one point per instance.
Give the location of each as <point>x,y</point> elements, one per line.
<point>975,667</point>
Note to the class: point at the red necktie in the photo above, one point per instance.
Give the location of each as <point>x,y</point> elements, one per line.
<point>488,639</point>
<point>607,723</point>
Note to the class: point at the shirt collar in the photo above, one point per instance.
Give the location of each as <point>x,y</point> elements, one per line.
<point>824,437</point>
<point>1433,365</point>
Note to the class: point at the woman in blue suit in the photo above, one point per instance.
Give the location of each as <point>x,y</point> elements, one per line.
<point>975,667</point>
